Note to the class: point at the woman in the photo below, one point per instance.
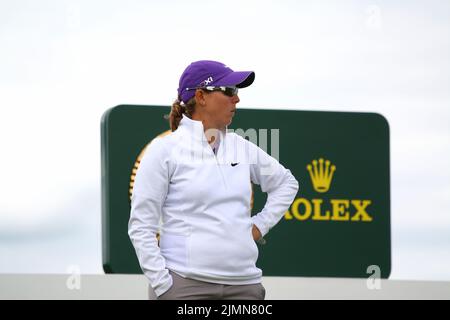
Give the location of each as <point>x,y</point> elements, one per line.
<point>197,181</point>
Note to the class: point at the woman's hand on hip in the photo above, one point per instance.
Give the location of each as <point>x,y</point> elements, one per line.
<point>256,233</point>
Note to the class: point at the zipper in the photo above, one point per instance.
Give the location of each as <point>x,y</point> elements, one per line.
<point>218,167</point>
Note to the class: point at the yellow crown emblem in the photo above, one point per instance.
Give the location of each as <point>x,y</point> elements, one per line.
<point>321,177</point>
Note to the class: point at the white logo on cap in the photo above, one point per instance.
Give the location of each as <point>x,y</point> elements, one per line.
<point>207,81</point>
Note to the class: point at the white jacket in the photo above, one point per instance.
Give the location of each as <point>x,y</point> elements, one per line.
<point>204,204</point>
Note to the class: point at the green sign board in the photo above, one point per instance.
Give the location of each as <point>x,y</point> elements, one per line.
<point>339,222</point>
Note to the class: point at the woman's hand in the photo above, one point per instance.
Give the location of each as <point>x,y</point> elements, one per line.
<point>256,233</point>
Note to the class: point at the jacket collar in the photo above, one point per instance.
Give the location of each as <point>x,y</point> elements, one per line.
<point>196,129</point>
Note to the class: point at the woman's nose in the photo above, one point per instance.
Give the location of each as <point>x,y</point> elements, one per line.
<point>236,98</point>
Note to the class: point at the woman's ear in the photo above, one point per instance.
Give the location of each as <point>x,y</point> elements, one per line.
<point>200,97</point>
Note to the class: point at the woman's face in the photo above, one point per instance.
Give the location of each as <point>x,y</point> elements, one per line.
<point>219,109</point>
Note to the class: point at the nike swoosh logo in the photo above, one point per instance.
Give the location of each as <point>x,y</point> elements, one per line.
<point>234,164</point>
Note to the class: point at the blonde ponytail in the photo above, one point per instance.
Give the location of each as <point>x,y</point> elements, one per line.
<point>178,110</point>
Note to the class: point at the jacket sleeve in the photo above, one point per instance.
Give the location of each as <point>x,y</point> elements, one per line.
<point>149,193</point>
<point>279,184</point>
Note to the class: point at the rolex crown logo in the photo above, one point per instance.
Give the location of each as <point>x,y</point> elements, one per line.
<point>321,175</point>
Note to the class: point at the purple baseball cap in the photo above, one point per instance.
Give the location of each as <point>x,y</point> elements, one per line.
<point>211,73</point>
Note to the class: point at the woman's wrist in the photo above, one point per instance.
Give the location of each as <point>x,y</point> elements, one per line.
<point>257,236</point>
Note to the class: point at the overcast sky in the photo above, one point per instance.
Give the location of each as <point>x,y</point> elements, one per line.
<point>64,63</point>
